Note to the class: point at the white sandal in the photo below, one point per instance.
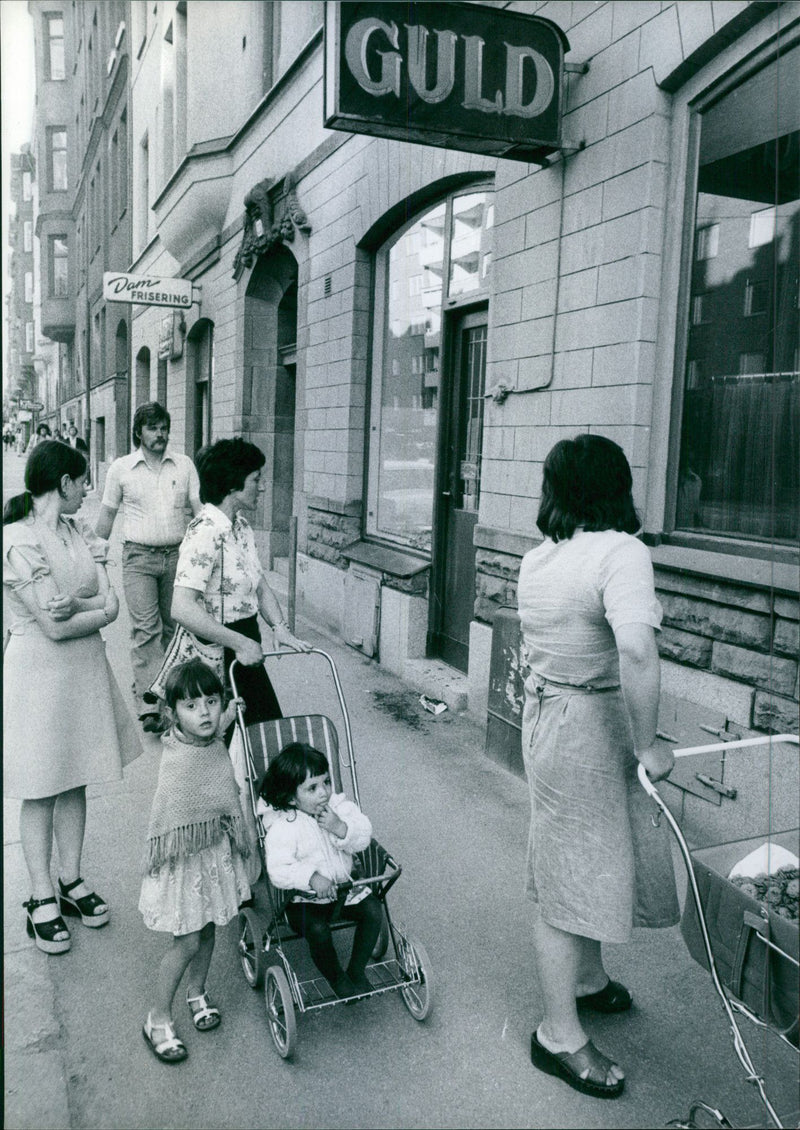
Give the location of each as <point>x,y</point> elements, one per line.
<point>169,1050</point>
<point>206,1016</point>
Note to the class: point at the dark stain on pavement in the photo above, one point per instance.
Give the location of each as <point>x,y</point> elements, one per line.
<point>403,707</point>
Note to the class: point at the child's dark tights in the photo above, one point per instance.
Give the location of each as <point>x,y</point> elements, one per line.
<point>312,920</point>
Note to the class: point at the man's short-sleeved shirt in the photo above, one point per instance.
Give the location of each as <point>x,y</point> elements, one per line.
<point>157,503</point>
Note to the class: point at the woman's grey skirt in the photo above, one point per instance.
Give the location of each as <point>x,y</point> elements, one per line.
<point>596,864</point>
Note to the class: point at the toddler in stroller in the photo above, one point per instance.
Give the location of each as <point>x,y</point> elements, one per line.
<point>311,835</point>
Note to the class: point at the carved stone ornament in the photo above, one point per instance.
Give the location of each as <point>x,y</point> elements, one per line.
<point>263,229</point>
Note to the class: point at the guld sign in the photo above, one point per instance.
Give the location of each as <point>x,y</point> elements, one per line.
<point>459,76</point>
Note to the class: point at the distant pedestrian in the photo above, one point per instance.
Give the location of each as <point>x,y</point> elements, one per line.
<point>42,433</point>
<point>596,864</point>
<point>312,834</point>
<point>74,440</point>
<point>195,877</point>
<point>62,434</point>
<point>65,723</point>
<point>159,491</point>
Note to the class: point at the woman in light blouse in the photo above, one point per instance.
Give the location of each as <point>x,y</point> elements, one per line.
<point>220,585</point>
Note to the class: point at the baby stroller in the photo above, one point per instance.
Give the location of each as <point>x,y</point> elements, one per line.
<point>750,950</point>
<point>273,955</point>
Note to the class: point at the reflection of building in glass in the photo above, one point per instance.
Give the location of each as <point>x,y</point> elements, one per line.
<point>740,454</point>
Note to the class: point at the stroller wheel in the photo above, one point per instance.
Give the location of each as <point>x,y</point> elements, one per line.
<point>417,996</point>
<point>280,1011</point>
<point>382,944</point>
<point>251,951</point>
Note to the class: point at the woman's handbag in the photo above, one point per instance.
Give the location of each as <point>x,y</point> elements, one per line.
<point>185,646</point>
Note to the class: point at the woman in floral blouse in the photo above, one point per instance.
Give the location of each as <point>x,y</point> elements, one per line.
<point>220,585</point>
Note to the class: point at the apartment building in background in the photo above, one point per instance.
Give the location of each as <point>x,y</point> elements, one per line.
<point>83,219</point>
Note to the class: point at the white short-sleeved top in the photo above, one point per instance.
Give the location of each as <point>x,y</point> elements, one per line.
<point>158,501</point>
<point>62,562</point>
<point>573,594</point>
<point>219,559</point>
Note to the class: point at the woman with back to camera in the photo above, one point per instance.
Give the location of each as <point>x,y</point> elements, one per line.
<point>596,864</point>
<point>220,585</point>
<point>65,723</point>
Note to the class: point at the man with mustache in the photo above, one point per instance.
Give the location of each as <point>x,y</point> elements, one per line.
<point>160,492</point>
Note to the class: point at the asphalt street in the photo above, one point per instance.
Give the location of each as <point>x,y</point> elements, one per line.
<point>457,823</point>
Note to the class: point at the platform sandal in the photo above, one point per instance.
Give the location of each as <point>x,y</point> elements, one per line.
<point>45,933</point>
<point>91,909</point>
<point>169,1050</point>
<point>204,1014</point>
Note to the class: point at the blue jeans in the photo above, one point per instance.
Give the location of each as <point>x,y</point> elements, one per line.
<point>148,577</point>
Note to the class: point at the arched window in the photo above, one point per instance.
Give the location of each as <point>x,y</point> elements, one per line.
<point>440,262</point>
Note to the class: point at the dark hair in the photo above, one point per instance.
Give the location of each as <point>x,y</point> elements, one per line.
<point>148,414</point>
<point>190,680</point>
<point>47,464</point>
<point>223,466</point>
<point>288,771</point>
<point>43,430</point>
<point>587,483</point>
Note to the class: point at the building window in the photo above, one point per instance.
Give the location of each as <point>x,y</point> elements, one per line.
<point>29,337</point>
<point>29,286</point>
<point>122,162</point>
<point>54,24</point>
<point>738,472</point>
<point>57,158</point>
<point>58,266</point>
<point>27,236</point>
<point>445,254</point>
<point>27,186</point>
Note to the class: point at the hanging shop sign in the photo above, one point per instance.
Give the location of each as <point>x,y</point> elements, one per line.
<point>455,75</point>
<point>170,338</point>
<point>147,290</point>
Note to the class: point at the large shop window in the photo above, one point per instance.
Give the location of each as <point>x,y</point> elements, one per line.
<point>445,255</point>
<point>739,466</point>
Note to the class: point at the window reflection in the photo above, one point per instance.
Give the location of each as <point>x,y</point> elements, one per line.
<point>410,386</point>
<point>471,243</point>
<point>739,470</point>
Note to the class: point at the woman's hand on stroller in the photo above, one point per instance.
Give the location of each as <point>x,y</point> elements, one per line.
<point>322,886</point>
<point>658,761</point>
<point>248,652</point>
<point>285,638</point>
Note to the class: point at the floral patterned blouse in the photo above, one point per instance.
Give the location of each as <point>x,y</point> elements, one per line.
<point>219,559</point>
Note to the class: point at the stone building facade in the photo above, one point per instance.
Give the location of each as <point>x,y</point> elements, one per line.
<point>407,330</point>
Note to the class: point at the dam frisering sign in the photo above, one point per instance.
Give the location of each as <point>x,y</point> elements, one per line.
<point>462,76</point>
<point>147,290</point>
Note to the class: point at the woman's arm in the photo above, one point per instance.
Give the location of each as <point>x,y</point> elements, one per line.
<point>77,625</point>
<point>63,606</point>
<point>188,609</point>
<point>271,611</point>
<point>640,680</point>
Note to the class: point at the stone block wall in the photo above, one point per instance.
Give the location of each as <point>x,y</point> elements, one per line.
<point>736,633</point>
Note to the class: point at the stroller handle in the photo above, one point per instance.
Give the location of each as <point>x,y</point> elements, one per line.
<point>715,747</point>
<point>350,762</point>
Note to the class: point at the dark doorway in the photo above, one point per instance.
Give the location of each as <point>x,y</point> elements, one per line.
<point>457,513</point>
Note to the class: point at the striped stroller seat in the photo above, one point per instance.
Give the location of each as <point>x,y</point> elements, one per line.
<point>267,739</point>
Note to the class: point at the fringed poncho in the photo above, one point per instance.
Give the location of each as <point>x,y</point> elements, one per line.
<point>196,802</point>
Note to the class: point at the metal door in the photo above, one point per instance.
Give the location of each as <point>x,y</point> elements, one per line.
<point>454,576</point>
